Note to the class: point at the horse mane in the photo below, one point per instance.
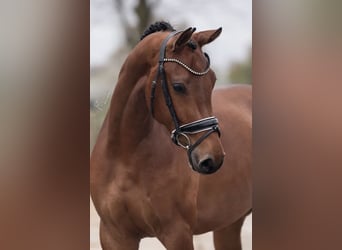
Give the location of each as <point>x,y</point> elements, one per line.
<point>157,26</point>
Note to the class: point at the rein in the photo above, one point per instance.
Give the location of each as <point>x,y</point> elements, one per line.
<point>208,125</point>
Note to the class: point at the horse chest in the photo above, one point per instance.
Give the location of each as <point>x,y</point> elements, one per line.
<point>146,202</point>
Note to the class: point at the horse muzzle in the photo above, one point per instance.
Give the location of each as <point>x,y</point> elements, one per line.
<point>207,165</point>
<point>180,137</point>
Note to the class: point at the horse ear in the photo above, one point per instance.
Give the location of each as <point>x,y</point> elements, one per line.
<point>183,38</point>
<point>205,37</point>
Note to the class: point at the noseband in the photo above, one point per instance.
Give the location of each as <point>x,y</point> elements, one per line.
<point>207,125</point>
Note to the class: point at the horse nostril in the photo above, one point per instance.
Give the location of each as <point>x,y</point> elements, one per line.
<point>207,165</point>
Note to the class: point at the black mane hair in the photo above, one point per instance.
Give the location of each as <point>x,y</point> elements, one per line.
<point>157,26</point>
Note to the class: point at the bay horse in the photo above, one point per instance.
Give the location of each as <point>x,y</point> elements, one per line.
<point>146,184</point>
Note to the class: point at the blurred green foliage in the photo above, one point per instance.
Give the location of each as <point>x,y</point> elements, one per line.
<point>241,72</point>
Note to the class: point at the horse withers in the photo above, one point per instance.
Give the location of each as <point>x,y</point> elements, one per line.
<point>173,157</point>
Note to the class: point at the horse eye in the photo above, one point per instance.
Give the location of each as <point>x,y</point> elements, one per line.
<point>179,87</point>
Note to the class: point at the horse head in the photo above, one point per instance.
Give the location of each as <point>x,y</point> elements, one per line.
<point>178,94</point>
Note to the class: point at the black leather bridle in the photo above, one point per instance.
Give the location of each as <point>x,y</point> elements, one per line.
<point>207,125</point>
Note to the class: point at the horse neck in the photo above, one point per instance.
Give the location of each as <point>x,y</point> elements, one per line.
<point>128,119</point>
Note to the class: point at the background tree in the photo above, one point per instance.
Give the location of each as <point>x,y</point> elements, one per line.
<point>144,12</point>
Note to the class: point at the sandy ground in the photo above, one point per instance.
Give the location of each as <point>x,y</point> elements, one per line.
<point>201,242</point>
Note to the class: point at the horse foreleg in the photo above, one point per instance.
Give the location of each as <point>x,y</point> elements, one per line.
<point>177,237</point>
<point>112,240</point>
<point>229,238</point>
